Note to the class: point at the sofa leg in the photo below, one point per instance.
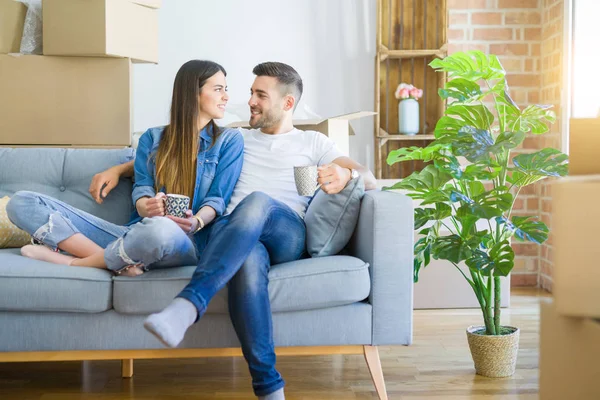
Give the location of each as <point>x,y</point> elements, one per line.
<point>127,368</point>
<point>374,364</point>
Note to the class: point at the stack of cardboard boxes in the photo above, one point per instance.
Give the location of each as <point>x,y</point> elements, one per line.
<point>570,327</point>
<point>79,92</point>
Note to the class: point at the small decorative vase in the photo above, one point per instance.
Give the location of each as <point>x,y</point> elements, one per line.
<point>408,117</point>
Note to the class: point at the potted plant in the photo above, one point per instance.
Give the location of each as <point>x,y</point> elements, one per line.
<point>408,108</point>
<point>472,177</point>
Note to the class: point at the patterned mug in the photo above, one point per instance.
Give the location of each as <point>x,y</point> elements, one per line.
<point>176,205</point>
<point>306,180</point>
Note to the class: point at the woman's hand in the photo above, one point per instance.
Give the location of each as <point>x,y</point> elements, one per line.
<point>187,224</point>
<point>103,182</point>
<point>151,206</point>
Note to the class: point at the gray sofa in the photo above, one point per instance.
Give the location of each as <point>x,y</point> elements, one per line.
<point>341,304</point>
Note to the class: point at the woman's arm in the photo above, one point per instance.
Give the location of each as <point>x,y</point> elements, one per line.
<point>144,197</point>
<point>105,181</point>
<point>220,191</point>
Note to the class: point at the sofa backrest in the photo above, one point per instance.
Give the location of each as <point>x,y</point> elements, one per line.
<point>66,174</point>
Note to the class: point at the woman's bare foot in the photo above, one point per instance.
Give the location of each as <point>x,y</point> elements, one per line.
<point>43,253</point>
<point>132,271</point>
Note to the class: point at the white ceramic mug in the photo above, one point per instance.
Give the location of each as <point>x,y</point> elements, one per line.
<point>306,180</point>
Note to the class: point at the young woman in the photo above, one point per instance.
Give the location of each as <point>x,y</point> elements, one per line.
<point>191,156</point>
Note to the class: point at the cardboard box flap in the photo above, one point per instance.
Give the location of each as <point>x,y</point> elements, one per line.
<point>355,115</point>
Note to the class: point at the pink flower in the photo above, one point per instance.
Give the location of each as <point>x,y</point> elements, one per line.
<point>416,93</point>
<point>403,94</point>
<point>406,90</point>
<point>402,91</point>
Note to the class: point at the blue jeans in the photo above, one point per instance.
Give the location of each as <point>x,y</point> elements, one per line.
<point>153,242</point>
<point>241,248</point>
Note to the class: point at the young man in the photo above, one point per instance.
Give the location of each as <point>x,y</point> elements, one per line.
<point>263,224</point>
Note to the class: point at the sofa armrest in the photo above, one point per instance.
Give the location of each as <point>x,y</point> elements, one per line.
<point>384,237</point>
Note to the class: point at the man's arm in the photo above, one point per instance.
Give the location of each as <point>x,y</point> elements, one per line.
<point>105,181</point>
<point>350,164</point>
<point>334,177</point>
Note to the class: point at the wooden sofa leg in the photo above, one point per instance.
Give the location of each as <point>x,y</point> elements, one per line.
<point>127,368</point>
<point>374,364</point>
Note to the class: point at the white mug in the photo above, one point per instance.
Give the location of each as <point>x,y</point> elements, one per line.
<point>306,179</point>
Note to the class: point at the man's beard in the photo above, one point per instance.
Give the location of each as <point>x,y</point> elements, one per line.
<point>267,120</point>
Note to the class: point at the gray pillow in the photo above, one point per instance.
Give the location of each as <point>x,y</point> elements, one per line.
<point>331,219</point>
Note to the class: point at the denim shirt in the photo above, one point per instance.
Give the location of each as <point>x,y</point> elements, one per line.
<point>217,168</point>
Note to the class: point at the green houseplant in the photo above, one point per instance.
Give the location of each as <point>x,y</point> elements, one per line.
<point>472,177</point>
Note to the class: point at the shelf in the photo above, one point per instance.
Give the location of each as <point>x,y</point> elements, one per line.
<point>399,54</point>
<point>400,136</point>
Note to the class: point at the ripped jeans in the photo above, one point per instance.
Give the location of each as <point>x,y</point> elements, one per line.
<point>151,243</point>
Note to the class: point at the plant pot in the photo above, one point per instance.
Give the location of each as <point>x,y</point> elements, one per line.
<point>408,117</point>
<point>494,356</point>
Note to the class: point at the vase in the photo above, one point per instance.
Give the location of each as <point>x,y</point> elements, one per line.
<point>494,356</point>
<point>408,117</point>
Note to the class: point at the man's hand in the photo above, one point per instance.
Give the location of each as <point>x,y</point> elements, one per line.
<point>102,183</point>
<point>333,178</point>
<point>187,224</point>
<point>152,206</point>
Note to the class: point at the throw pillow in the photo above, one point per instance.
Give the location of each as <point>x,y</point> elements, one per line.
<point>331,219</point>
<point>10,235</point>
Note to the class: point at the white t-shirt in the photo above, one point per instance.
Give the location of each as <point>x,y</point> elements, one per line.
<point>269,162</point>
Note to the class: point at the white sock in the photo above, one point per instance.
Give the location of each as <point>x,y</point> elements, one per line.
<point>277,395</point>
<point>170,324</point>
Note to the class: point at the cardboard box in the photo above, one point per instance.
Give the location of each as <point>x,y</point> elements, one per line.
<point>100,28</point>
<point>575,221</point>
<point>584,142</point>
<point>148,3</point>
<point>12,18</point>
<point>569,356</point>
<point>65,100</point>
<point>337,128</point>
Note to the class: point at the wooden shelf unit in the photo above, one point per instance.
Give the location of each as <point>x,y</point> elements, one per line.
<point>410,33</point>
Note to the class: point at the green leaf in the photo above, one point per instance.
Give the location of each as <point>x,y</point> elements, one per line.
<point>526,228</point>
<point>484,171</point>
<point>422,251</point>
<point>424,215</point>
<point>473,144</point>
<point>509,140</point>
<point>431,152</point>
<point>425,183</point>
<point>487,205</point>
<point>459,115</point>
<point>449,165</point>
<point>451,248</point>
<point>532,167</point>
<point>499,261</point>
<point>534,118</point>
<point>460,89</point>
<point>471,65</point>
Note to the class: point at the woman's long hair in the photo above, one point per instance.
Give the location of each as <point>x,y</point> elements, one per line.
<point>178,148</point>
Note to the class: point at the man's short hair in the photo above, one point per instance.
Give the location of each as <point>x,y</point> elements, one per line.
<point>287,76</point>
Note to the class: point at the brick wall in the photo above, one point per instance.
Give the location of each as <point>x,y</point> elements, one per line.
<point>519,32</point>
<point>550,93</point>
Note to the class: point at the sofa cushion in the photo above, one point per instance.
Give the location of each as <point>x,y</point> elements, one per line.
<point>298,285</point>
<point>31,285</point>
<point>66,174</point>
<point>331,219</point>
<point>10,235</point>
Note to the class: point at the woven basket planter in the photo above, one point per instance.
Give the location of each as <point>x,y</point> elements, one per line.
<point>494,356</point>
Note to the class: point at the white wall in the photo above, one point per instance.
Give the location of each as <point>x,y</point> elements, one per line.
<point>331,43</point>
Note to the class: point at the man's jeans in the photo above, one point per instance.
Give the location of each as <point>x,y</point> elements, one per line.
<point>241,248</point>
<point>153,243</point>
